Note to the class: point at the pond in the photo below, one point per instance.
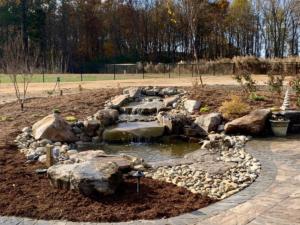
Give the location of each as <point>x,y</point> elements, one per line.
<point>150,152</point>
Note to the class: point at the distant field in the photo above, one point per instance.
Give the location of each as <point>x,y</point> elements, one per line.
<point>51,78</point>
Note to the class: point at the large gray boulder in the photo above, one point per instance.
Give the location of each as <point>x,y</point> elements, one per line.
<point>90,127</point>
<point>123,163</point>
<point>253,123</point>
<point>53,128</point>
<point>88,177</point>
<point>119,100</point>
<point>133,92</point>
<point>175,121</point>
<point>169,91</point>
<point>145,107</point>
<point>192,105</point>
<point>209,122</point>
<point>125,132</point>
<point>169,101</point>
<point>107,117</point>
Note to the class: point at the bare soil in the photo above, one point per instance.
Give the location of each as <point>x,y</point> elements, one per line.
<point>27,194</point>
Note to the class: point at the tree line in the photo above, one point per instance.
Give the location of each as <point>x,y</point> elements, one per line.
<point>80,35</point>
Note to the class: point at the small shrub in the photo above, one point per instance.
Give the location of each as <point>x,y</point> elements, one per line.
<point>234,107</point>
<point>275,83</point>
<point>196,86</point>
<point>71,119</point>
<point>204,109</point>
<point>245,80</point>
<point>255,97</point>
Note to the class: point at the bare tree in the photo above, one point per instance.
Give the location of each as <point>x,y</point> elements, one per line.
<point>18,65</point>
<point>192,9</point>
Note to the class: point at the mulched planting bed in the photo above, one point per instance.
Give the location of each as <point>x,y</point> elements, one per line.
<point>24,193</point>
<point>213,96</point>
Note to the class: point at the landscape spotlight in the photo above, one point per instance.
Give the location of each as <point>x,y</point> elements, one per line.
<point>138,175</point>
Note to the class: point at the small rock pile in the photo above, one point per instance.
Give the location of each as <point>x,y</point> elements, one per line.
<point>219,169</point>
<point>37,149</point>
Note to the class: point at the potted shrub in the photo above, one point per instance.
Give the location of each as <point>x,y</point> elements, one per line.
<point>279,125</point>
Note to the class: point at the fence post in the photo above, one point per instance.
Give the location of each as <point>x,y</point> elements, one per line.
<point>179,70</point>
<point>81,77</point>
<point>143,71</point>
<point>214,69</point>
<point>169,70</point>
<point>43,76</point>
<point>233,68</point>
<point>114,71</point>
<point>49,157</point>
<point>192,70</point>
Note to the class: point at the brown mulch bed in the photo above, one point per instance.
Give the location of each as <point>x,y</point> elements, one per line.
<point>24,193</point>
<point>213,96</point>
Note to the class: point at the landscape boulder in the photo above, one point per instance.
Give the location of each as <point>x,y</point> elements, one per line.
<point>107,117</point>
<point>53,128</point>
<point>192,105</point>
<point>209,122</point>
<point>148,107</point>
<point>133,92</point>
<point>126,132</point>
<point>175,121</point>
<point>151,91</point>
<point>168,91</point>
<point>90,127</point>
<point>119,101</point>
<point>99,155</point>
<point>88,177</point>
<point>253,124</point>
<point>169,101</point>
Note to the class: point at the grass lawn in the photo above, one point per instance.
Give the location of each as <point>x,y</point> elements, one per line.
<point>49,78</point>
